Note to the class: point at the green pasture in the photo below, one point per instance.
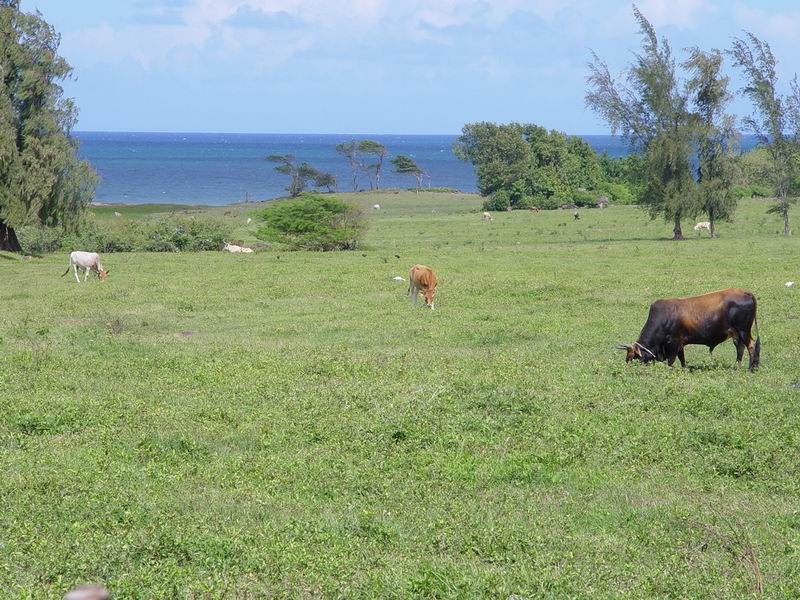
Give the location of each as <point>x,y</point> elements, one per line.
<point>284,424</point>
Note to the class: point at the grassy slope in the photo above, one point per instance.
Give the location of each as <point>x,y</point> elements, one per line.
<point>207,425</point>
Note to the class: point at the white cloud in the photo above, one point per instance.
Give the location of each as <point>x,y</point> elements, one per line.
<point>685,14</point>
<point>782,26</point>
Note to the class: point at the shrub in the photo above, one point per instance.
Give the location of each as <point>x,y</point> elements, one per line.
<point>161,234</point>
<point>498,201</point>
<point>313,222</point>
<point>619,193</point>
<point>584,198</point>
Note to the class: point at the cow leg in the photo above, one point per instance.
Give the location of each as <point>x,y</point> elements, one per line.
<point>752,351</point>
<point>86,275</point>
<point>682,358</point>
<point>414,295</point>
<point>739,350</point>
<point>75,270</point>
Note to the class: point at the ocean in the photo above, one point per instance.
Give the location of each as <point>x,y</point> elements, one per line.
<point>222,168</point>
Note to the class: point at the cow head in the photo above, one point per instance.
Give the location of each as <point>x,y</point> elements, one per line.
<point>102,274</point>
<point>429,294</point>
<point>636,351</point>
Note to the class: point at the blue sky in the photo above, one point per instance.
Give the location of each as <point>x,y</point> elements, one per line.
<point>371,66</point>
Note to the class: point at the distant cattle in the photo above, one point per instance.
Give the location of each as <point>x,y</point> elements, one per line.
<point>249,220</point>
<point>376,206</point>
<point>707,320</point>
<point>117,214</point>
<point>487,216</point>
<point>234,249</point>
<point>535,209</point>
<point>577,215</point>
<point>422,279</point>
<point>88,261</point>
<point>703,225</point>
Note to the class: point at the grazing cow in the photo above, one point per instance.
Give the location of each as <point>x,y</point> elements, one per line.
<point>422,278</point>
<point>535,209</point>
<point>89,261</point>
<point>707,320</point>
<point>487,216</point>
<point>376,206</point>
<point>704,225</point>
<point>577,215</point>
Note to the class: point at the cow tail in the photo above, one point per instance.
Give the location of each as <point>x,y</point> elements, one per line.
<point>67,271</point>
<point>755,358</point>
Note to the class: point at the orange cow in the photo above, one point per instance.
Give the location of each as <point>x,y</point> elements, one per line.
<point>422,279</point>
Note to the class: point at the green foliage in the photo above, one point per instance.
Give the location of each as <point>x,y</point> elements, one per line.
<point>301,174</point>
<point>42,181</point>
<point>584,198</point>
<point>313,223</point>
<point>378,152</point>
<point>527,161</point>
<point>775,121</point>
<point>405,165</point>
<point>618,193</point>
<point>715,134</point>
<point>155,234</point>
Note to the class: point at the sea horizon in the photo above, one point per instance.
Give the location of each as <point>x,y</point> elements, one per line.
<point>226,168</point>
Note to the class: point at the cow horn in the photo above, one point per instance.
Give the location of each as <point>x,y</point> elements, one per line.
<point>623,346</point>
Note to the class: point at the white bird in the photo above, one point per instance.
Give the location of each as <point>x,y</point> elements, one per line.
<point>249,220</point>
<point>397,278</point>
<point>789,284</point>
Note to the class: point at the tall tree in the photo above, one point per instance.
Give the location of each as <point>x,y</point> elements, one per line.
<point>776,119</point>
<point>379,152</point>
<point>405,165</point>
<point>42,181</point>
<point>350,151</point>
<point>300,174</point>
<point>715,134</point>
<point>651,112</point>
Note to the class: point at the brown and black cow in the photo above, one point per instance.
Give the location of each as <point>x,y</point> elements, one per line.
<point>707,320</point>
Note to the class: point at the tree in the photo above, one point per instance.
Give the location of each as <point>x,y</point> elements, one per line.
<point>404,165</point>
<point>42,181</point>
<point>651,112</point>
<point>776,119</point>
<point>313,223</point>
<point>350,151</point>
<point>301,174</point>
<point>715,135</point>
<point>377,150</point>
<point>526,163</point>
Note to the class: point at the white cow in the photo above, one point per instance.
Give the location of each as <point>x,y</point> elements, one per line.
<point>703,225</point>
<point>234,249</point>
<point>89,261</point>
<point>487,216</point>
<point>376,206</point>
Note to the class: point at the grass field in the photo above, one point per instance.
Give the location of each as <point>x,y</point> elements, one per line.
<point>286,425</point>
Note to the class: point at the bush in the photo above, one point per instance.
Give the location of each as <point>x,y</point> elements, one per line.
<point>584,198</point>
<point>498,201</point>
<point>161,234</point>
<point>313,222</point>
<point>751,191</point>
<point>619,193</point>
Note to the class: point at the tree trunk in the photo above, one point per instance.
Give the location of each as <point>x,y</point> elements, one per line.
<point>8,239</point>
<point>677,233</point>
<point>712,231</point>
<point>786,230</point>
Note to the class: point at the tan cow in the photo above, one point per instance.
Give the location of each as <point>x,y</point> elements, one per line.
<point>422,279</point>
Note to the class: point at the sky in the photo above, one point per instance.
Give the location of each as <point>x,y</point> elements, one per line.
<point>372,66</point>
